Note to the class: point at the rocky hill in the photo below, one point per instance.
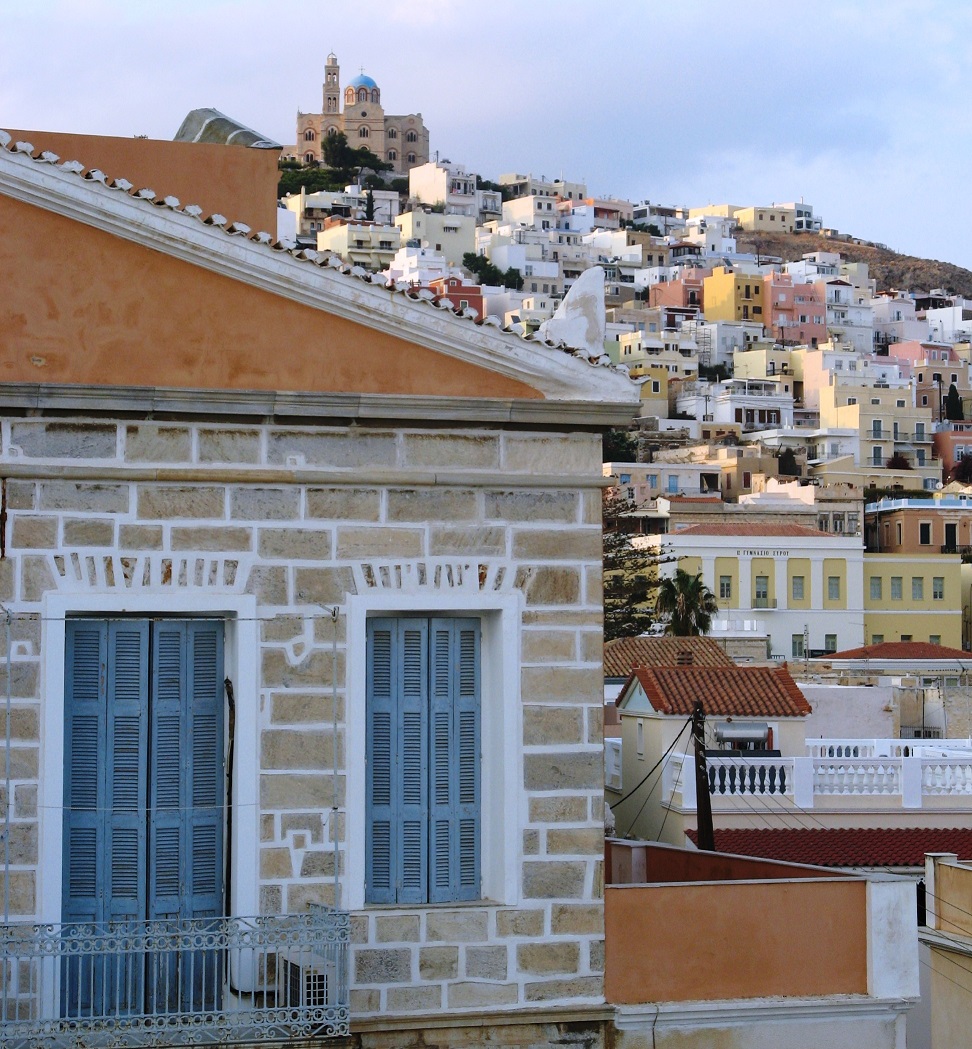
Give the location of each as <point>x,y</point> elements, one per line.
<point>891,270</point>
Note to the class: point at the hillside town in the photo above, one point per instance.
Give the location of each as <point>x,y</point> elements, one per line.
<point>455,608</point>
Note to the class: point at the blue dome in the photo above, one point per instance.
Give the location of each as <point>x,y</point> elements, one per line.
<point>362,80</point>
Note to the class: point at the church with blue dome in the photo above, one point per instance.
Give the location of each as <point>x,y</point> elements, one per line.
<point>402,141</point>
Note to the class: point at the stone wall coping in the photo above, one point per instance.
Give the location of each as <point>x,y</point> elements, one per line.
<point>110,470</point>
<point>307,407</point>
<point>490,1017</point>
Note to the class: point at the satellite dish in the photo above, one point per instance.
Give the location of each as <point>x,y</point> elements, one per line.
<point>939,486</point>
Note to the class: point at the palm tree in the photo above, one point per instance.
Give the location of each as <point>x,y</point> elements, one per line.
<point>687,603</point>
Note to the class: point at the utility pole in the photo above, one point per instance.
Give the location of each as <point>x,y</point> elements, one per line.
<point>703,804</point>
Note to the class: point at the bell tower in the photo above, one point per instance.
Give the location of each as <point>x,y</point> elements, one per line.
<point>332,86</point>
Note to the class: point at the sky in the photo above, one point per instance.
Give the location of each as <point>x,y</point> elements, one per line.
<point>860,108</point>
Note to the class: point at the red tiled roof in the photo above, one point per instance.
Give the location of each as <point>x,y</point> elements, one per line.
<point>906,650</point>
<point>780,530</point>
<point>623,654</point>
<point>845,846</point>
<point>725,691</point>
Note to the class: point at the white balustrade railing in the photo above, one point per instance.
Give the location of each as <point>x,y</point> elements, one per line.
<point>833,770</point>
<point>857,776</point>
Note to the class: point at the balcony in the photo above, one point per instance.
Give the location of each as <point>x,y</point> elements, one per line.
<point>208,981</point>
<point>915,774</point>
<point>764,602</point>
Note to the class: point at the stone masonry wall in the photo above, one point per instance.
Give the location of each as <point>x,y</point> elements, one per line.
<point>289,514</point>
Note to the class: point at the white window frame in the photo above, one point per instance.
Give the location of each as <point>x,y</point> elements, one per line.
<point>504,800</point>
<point>242,667</point>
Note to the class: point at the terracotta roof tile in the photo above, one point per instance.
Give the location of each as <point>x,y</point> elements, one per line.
<point>780,530</point>
<point>623,654</point>
<point>725,691</point>
<point>845,846</point>
<point>906,650</point>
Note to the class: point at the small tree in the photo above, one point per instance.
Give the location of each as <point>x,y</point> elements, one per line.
<point>953,405</point>
<point>898,462</point>
<point>630,575</point>
<point>962,470</point>
<point>513,278</point>
<point>617,446</point>
<point>687,603</point>
<point>787,464</point>
<point>369,206</point>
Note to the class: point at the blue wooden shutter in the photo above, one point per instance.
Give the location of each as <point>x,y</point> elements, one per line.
<point>105,740</point>
<point>167,859</point>
<point>187,792</point>
<point>82,894</point>
<point>188,784</point>
<point>413,695</point>
<point>381,757</point>
<point>454,760</point>
<point>397,775</point>
<point>205,784</point>
<point>126,768</point>
<point>84,780</point>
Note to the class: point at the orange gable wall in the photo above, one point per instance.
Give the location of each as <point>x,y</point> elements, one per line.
<point>235,181</point>
<point>80,305</point>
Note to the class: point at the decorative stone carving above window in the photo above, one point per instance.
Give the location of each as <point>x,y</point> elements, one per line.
<point>76,572</point>
<point>433,573</point>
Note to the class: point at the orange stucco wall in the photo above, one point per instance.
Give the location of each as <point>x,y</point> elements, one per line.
<point>80,305</point>
<point>667,943</point>
<point>235,181</point>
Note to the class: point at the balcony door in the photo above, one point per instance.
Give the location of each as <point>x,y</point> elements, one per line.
<point>144,794</point>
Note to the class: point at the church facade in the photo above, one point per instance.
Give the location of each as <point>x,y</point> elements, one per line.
<point>403,141</point>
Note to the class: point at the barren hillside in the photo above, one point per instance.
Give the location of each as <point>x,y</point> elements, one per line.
<point>890,269</point>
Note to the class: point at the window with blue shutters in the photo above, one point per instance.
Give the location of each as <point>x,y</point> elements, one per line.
<point>423,760</point>
<point>144,793</point>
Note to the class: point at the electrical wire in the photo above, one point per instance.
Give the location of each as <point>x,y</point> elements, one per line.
<point>635,789</point>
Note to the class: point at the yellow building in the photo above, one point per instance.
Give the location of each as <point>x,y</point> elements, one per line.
<point>913,597</point>
<point>766,220</point>
<point>890,427</point>
<point>731,296</point>
<point>368,244</point>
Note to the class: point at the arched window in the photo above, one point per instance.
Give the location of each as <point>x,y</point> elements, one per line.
<point>411,158</point>
<point>411,137</point>
<point>363,132</point>
<point>362,94</point>
<point>331,105</point>
<point>349,96</point>
<point>332,130</point>
<point>308,158</point>
<point>392,133</point>
<point>393,154</point>
<point>374,94</point>
<point>309,135</point>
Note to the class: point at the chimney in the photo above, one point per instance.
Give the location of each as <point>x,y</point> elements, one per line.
<point>685,657</point>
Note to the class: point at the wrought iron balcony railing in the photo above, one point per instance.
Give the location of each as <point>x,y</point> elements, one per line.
<point>206,981</point>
